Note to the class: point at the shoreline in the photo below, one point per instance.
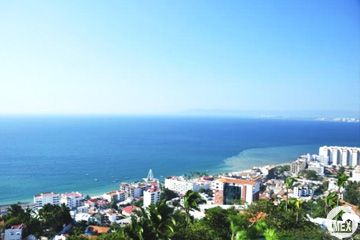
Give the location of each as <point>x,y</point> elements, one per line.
<point>94,195</point>
<point>269,156</point>
<point>92,157</point>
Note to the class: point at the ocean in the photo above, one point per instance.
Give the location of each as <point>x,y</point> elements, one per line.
<point>93,154</point>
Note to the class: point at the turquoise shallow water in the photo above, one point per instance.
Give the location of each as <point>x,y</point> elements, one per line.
<point>67,153</point>
<point>266,156</point>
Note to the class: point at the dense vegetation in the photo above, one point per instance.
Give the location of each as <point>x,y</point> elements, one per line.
<point>288,219</point>
<point>352,193</point>
<point>49,221</point>
<point>310,174</point>
<point>262,220</point>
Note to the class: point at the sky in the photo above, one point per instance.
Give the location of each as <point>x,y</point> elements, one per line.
<point>175,57</point>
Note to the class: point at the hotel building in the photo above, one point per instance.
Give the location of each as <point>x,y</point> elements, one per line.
<point>151,196</point>
<point>340,156</point>
<point>229,191</point>
<point>117,196</point>
<point>46,198</point>
<point>72,200</point>
<point>297,166</point>
<point>182,185</point>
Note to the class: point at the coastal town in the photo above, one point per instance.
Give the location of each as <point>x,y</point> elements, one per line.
<point>313,176</point>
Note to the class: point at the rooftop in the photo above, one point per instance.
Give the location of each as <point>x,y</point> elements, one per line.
<point>19,226</point>
<point>129,209</point>
<point>47,194</point>
<point>72,194</point>
<point>238,181</point>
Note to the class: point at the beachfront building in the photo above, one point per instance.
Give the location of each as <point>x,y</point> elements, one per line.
<point>72,200</point>
<point>297,166</point>
<point>229,191</point>
<point>136,190</point>
<point>151,196</point>
<point>46,198</point>
<point>117,196</point>
<point>340,156</point>
<point>132,190</point>
<point>15,232</point>
<point>181,185</point>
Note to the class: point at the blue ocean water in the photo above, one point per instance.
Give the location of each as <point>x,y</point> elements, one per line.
<point>92,154</point>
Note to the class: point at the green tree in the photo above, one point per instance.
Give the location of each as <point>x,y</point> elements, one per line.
<point>270,234</point>
<point>238,226</point>
<point>77,237</point>
<point>17,215</point>
<point>118,235</point>
<point>330,201</point>
<point>197,230</point>
<point>296,205</point>
<point>192,200</point>
<point>135,230</point>
<point>114,205</point>
<point>289,183</point>
<point>341,182</point>
<point>161,218</point>
<point>352,193</point>
<point>167,194</point>
<point>53,218</point>
<point>218,220</point>
<point>156,222</point>
<point>310,174</point>
<point>241,235</point>
<point>15,210</point>
<point>139,203</point>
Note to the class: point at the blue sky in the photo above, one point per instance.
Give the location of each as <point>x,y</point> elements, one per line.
<point>169,57</point>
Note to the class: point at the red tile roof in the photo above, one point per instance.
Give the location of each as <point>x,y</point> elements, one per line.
<point>237,181</point>
<point>129,209</point>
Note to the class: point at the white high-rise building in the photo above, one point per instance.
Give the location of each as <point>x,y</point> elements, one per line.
<point>151,196</point>
<point>340,156</point>
<point>182,185</point>
<point>46,198</point>
<point>72,200</point>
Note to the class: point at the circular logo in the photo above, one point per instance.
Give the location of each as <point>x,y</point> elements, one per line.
<point>343,222</point>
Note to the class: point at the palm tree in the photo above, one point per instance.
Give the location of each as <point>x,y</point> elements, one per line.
<point>234,229</point>
<point>289,183</point>
<point>270,234</point>
<point>155,222</point>
<point>261,226</point>
<point>296,204</point>
<point>15,210</point>
<point>135,230</point>
<point>330,201</point>
<point>341,181</point>
<point>191,202</point>
<point>162,220</point>
<point>238,224</point>
<point>241,235</point>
